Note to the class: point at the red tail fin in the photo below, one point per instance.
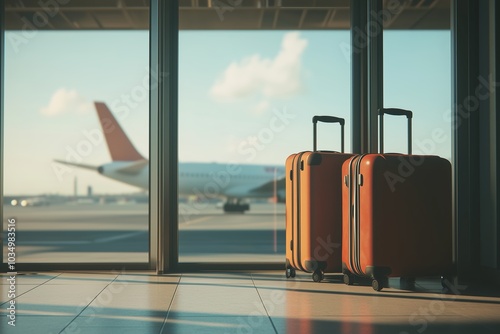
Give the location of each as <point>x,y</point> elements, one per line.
<point>120,147</point>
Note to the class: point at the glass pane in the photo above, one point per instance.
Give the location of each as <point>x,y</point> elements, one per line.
<point>417,73</point>
<point>246,101</point>
<point>77,188</point>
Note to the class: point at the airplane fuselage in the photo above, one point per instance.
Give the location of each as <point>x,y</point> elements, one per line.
<point>206,180</point>
<point>211,180</point>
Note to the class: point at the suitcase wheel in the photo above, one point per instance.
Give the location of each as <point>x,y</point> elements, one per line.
<point>318,276</point>
<point>348,279</point>
<point>379,283</point>
<point>290,272</point>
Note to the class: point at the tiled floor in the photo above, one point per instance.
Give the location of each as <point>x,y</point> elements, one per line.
<point>239,303</point>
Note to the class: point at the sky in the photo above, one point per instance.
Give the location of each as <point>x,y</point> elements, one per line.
<point>244,96</point>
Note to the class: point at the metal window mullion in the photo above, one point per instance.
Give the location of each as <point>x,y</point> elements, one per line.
<point>375,72</point>
<point>2,74</point>
<point>154,226</point>
<point>167,127</point>
<point>359,84</point>
<point>494,110</point>
<point>460,136</point>
<point>464,74</point>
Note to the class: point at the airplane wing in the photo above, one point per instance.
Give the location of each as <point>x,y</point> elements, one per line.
<point>132,167</point>
<point>94,168</point>
<point>269,187</point>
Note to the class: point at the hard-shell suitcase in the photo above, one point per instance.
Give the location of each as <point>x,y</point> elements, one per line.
<point>397,216</point>
<point>314,209</point>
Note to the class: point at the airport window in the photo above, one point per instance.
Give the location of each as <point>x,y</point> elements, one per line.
<point>246,103</point>
<point>417,71</point>
<point>76,135</point>
<point>257,83</point>
<point>416,75</point>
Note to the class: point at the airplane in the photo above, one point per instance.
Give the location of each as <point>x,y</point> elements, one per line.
<point>234,182</point>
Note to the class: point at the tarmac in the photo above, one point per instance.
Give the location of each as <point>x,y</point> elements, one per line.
<point>104,233</point>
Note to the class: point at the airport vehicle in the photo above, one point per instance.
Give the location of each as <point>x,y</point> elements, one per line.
<point>314,208</point>
<point>234,182</point>
<point>396,215</point>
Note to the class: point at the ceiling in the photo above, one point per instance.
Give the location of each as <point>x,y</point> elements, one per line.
<point>218,14</point>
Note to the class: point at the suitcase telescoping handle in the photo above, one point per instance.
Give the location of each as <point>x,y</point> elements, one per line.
<point>328,119</point>
<point>395,112</point>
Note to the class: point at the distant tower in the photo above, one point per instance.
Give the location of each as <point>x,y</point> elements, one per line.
<point>75,188</point>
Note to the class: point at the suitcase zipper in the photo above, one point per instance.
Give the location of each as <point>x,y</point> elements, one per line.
<point>297,237</point>
<point>357,220</point>
<point>348,181</point>
<point>294,212</point>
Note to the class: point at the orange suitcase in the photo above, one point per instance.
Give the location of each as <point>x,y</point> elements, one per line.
<point>314,208</point>
<point>397,216</point>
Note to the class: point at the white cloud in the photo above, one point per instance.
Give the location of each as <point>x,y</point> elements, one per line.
<point>261,108</point>
<point>278,77</point>
<point>66,101</point>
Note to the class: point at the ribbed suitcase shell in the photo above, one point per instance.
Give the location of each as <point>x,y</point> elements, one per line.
<point>314,212</point>
<point>397,217</point>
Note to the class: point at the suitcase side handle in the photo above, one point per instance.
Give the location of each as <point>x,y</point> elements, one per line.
<point>394,112</point>
<point>327,119</point>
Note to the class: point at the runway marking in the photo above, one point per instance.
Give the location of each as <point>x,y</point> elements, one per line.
<point>87,242</point>
<point>76,242</point>
<point>118,237</point>
<point>195,221</point>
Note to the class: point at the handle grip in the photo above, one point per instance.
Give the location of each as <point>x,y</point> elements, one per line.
<point>327,119</point>
<point>394,112</point>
